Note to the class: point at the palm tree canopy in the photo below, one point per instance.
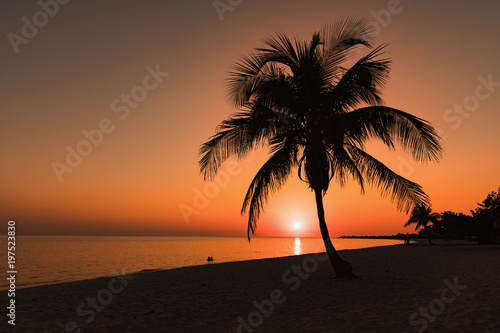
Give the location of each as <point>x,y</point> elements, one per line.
<point>422,215</point>
<point>316,116</point>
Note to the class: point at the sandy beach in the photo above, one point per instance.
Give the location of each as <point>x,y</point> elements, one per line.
<point>419,288</point>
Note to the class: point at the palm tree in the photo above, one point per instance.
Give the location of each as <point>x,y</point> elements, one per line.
<point>296,97</point>
<point>422,215</point>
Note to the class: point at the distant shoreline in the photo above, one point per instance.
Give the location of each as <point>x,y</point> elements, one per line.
<point>397,236</point>
<point>374,237</point>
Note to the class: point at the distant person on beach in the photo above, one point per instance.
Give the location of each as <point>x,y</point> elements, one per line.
<point>210,259</point>
<point>407,239</point>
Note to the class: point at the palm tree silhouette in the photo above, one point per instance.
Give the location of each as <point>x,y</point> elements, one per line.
<point>296,97</point>
<point>422,215</point>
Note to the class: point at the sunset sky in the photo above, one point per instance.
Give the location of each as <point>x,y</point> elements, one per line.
<point>72,76</point>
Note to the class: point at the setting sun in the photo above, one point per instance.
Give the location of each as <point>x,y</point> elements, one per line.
<point>242,166</point>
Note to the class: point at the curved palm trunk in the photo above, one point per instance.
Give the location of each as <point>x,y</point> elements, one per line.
<point>341,267</point>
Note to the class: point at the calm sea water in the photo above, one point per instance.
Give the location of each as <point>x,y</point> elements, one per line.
<point>54,259</point>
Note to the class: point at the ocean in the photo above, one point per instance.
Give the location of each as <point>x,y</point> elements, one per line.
<point>55,259</point>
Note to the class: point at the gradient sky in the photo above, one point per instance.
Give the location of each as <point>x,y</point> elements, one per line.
<point>66,77</point>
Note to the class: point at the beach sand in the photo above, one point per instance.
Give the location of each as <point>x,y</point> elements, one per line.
<point>443,288</point>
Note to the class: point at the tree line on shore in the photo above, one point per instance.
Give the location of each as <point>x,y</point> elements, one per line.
<point>482,225</point>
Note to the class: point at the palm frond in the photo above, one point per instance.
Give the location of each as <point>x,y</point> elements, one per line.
<point>404,193</point>
<point>343,165</point>
<point>271,177</point>
<point>236,136</point>
<point>340,41</point>
<point>282,50</point>
<point>245,76</point>
<point>231,138</point>
<point>361,83</point>
<point>278,93</point>
<point>341,36</point>
<point>415,135</point>
<point>421,215</point>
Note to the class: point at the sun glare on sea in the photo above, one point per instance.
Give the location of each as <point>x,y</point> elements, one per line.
<point>297,248</point>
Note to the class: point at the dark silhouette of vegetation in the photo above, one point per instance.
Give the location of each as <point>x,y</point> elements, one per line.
<point>422,215</point>
<point>453,225</point>
<point>487,219</point>
<point>482,225</point>
<point>397,236</point>
<point>316,116</point>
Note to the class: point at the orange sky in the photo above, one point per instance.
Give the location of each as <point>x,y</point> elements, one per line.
<point>72,74</point>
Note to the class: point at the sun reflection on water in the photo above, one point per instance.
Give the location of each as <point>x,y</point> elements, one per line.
<point>297,248</point>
